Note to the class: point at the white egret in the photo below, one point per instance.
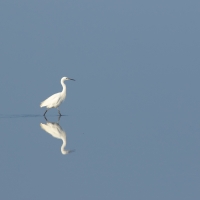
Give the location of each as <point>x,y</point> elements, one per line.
<point>56,131</point>
<point>55,100</point>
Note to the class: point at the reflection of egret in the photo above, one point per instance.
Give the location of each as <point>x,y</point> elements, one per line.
<point>56,131</point>
<point>55,100</point>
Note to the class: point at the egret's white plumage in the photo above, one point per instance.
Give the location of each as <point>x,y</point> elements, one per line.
<point>55,100</point>
<point>56,131</point>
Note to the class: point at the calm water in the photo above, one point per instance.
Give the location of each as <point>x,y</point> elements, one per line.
<point>131,128</point>
<point>114,157</point>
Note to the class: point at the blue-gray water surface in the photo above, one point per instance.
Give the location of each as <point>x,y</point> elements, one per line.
<point>131,120</point>
<point>114,157</point>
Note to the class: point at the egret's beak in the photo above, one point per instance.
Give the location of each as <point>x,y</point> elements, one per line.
<point>71,79</point>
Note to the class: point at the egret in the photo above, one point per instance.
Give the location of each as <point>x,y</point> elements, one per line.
<point>55,100</point>
<point>56,131</point>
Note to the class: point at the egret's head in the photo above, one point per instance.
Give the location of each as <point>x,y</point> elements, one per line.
<point>67,79</point>
<point>64,152</point>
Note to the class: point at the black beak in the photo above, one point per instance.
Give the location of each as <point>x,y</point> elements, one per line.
<point>71,79</point>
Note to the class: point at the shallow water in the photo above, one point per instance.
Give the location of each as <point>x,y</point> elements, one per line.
<point>113,157</point>
<point>132,117</point>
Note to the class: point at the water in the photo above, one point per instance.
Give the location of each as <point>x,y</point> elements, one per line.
<point>132,115</point>
<point>114,157</point>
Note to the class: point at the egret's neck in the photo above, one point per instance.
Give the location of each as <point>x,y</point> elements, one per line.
<point>64,87</point>
<point>63,151</point>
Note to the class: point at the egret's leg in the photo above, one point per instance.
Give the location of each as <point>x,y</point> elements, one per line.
<point>45,112</point>
<point>59,111</point>
<point>45,118</point>
<point>59,118</point>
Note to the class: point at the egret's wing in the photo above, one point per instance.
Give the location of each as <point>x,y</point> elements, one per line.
<point>54,129</point>
<point>51,100</point>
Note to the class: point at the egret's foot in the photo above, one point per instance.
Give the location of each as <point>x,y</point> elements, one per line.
<point>59,116</point>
